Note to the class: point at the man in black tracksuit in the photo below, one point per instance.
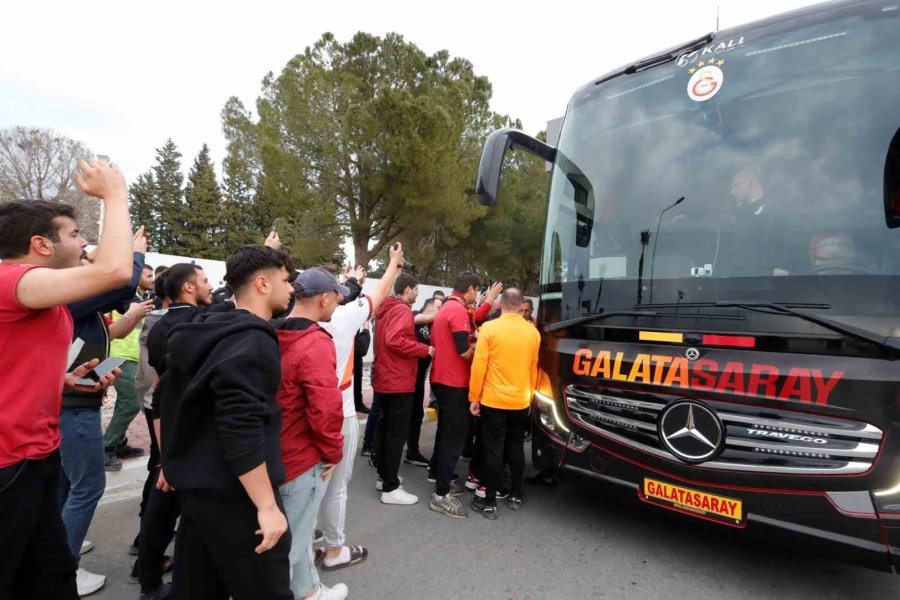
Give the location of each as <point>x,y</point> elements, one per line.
<point>221,447</point>
<point>189,289</point>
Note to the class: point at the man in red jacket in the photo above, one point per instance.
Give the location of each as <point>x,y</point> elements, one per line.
<point>312,412</point>
<point>397,354</point>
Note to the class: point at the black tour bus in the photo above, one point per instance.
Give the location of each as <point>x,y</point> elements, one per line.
<point>720,282</point>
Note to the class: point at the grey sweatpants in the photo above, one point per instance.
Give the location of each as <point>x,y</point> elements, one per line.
<point>333,511</point>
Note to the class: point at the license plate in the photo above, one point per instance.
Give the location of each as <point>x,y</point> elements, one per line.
<point>694,502</point>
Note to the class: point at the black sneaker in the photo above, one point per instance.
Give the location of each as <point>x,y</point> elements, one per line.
<point>161,593</point>
<point>123,450</point>
<point>416,458</point>
<point>318,537</point>
<point>366,451</point>
<point>363,410</point>
<point>432,478</point>
<point>111,462</point>
<point>515,501</point>
<point>488,511</point>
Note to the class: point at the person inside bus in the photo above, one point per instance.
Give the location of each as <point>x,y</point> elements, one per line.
<point>750,240</point>
<point>837,255</point>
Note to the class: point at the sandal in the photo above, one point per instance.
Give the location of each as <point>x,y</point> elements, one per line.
<point>357,555</point>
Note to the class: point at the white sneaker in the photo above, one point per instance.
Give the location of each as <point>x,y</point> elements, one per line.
<point>398,496</point>
<point>88,582</point>
<point>379,483</point>
<point>338,592</point>
<point>86,547</point>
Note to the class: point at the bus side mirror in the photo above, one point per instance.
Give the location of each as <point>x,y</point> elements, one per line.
<point>892,183</point>
<point>487,184</point>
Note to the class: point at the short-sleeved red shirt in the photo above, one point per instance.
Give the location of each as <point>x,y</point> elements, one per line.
<point>34,346</point>
<point>448,367</point>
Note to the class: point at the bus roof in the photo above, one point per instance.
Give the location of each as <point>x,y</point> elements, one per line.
<point>726,33</point>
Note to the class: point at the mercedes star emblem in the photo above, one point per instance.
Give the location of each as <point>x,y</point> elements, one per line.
<point>690,431</point>
<point>692,353</point>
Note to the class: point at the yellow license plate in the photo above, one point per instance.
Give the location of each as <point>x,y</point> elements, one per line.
<point>694,502</point>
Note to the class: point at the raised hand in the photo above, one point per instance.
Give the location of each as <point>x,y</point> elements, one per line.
<point>140,241</point>
<point>102,181</point>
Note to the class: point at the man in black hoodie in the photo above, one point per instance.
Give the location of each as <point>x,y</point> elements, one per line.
<point>221,429</point>
<point>190,292</point>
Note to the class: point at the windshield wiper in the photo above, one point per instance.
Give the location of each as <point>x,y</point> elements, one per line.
<point>789,308</point>
<point>596,317</point>
<point>660,59</point>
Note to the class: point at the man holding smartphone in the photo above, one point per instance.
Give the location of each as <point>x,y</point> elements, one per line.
<point>81,450</point>
<point>41,273</point>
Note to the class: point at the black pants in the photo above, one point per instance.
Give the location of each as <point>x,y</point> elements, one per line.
<point>453,425</point>
<point>473,447</point>
<point>152,464</point>
<point>159,513</point>
<point>393,428</point>
<point>36,562</point>
<point>358,380</point>
<point>502,435</point>
<point>372,419</point>
<point>418,408</point>
<point>215,550</point>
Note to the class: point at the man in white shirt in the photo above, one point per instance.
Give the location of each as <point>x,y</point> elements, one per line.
<point>344,324</point>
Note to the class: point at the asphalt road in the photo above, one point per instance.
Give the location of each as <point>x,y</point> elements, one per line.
<point>577,540</point>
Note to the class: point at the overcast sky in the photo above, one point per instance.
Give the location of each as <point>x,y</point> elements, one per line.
<point>123,77</point>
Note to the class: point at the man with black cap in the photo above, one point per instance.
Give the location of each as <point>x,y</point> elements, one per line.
<point>312,417</point>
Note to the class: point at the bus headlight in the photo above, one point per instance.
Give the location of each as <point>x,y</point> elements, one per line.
<point>547,415</point>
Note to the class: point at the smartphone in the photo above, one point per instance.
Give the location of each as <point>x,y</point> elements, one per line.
<point>93,376</point>
<point>275,225</point>
<point>74,351</point>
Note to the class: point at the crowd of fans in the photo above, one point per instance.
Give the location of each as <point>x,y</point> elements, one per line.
<point>251,401</point>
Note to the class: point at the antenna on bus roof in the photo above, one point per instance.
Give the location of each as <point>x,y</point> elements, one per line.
<point>718,7</point>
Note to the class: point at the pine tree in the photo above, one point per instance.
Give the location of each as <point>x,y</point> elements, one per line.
<point>204,222</point>
<point>168,182</point>
<point>143,207</point>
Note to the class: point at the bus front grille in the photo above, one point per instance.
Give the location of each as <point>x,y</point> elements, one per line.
<point>755,439</point>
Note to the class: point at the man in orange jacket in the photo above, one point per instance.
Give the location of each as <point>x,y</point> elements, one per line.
<point>504,376</point>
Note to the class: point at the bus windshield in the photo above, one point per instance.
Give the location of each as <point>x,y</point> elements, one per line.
<point>754,168</point>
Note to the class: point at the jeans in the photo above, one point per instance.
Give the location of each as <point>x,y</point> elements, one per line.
<point>214,550</point>
<point>36,561</point>
<point>393,428</point>
<point>333,512</point>
<point>502,435</point>
<point>128,405</point>
<point>302,496</point>
<point>453,425</point>
<point>83,478</point>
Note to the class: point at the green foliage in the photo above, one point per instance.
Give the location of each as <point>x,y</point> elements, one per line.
<point>143,207</point>
<point>204,214</point>
<point>509,240</point>
<point>374,139</point>
<point>169,195</point>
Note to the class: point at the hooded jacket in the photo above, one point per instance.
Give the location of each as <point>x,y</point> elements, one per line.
<point>396,348</point>
<point>220,418</point>
<point>311,404</point>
